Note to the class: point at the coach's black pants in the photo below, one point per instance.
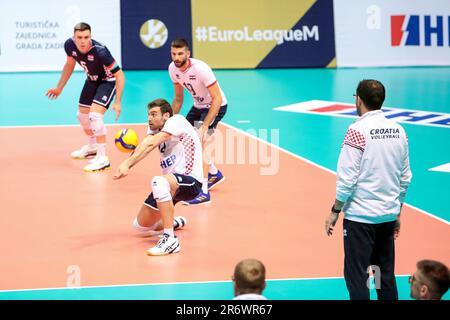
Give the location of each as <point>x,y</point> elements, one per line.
<point>365,245</point>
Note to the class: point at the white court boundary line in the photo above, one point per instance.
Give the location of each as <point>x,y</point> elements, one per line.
<point>322,167</point>
<point>200,282</point>
<point>173,283</point>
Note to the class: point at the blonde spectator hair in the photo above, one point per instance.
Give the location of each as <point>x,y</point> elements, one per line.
<point>250,276</point>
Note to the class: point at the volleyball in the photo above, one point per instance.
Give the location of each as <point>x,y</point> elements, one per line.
<point>126,140</point>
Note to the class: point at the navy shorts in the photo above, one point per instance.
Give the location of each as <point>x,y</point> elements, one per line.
<point>196,117</point>
<point>101,93</point>
<point>188,189</point>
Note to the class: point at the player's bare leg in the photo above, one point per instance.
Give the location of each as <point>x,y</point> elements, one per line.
<point>210,179</point>
<point>214,175</point>
<point>148,221</point>
<point>206,159</point>
<point>163,188</point>
<point>203,196</point>
<point>149,218</point>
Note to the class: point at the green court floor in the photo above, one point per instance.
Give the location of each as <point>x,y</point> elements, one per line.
<point>292,289</point>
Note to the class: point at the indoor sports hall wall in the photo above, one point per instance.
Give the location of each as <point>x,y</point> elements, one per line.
<point>32,33</point>
<point>231,34</point>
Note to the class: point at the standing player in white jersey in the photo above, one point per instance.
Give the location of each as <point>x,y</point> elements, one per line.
<point>210,105</point>
<point>181,164</point>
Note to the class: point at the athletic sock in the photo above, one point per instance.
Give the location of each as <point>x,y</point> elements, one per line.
<point>101,149</point>
<point>205,186</point>
<point>169,231</point>
<point>212,168</point>
<point>91,142</point>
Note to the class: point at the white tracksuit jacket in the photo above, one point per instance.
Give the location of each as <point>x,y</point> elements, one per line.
<point>373,171</point>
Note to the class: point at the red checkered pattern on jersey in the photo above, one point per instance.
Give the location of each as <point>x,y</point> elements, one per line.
<point>189,151</point>
<point>355,139</point>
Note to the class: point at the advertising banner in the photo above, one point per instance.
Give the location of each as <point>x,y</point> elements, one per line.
<point>33,33</point>
<point>392,33</point>
<point>263,33</point>
<point>148,28</point>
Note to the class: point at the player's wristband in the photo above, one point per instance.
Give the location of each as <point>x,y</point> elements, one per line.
<point>335,210</point>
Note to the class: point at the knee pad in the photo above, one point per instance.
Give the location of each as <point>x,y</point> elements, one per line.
<point>161,189</point>
<point>83,118</point>
<point>97,124</point>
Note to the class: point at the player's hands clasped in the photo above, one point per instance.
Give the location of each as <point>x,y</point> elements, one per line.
<point>53,93</point>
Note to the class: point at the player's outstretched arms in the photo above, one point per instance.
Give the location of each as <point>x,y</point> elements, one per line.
<point>123,170</point>
<point>142,150</point>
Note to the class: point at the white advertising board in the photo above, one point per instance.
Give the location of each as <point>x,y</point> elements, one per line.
<point>32,33</point>
<point>392,32</point>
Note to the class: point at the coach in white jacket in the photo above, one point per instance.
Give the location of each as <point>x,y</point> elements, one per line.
<point>373,175</point>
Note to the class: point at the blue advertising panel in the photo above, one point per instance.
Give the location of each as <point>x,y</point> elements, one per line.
<point>312,41</point>
<point>148,27</point>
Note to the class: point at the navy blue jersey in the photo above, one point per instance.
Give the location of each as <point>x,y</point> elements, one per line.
<point>98,63</point>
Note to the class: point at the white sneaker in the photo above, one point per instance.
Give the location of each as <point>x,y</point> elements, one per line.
<point>100,163</point>
<point>179,222</point>
<point>94,159</point>
<point>84,152</point>
<point>166,245</point>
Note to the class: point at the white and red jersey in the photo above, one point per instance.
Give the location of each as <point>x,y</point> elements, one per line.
<point>373,172</point>
<point>197,78</point>
<point>182,153</point>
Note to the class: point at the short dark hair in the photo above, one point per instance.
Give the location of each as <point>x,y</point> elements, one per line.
<point>372,93</point>
<point>81,26</point>
<point>180,43</point>
<point>250,276</point>
<point>163,105</point>
<point>436,275</point>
